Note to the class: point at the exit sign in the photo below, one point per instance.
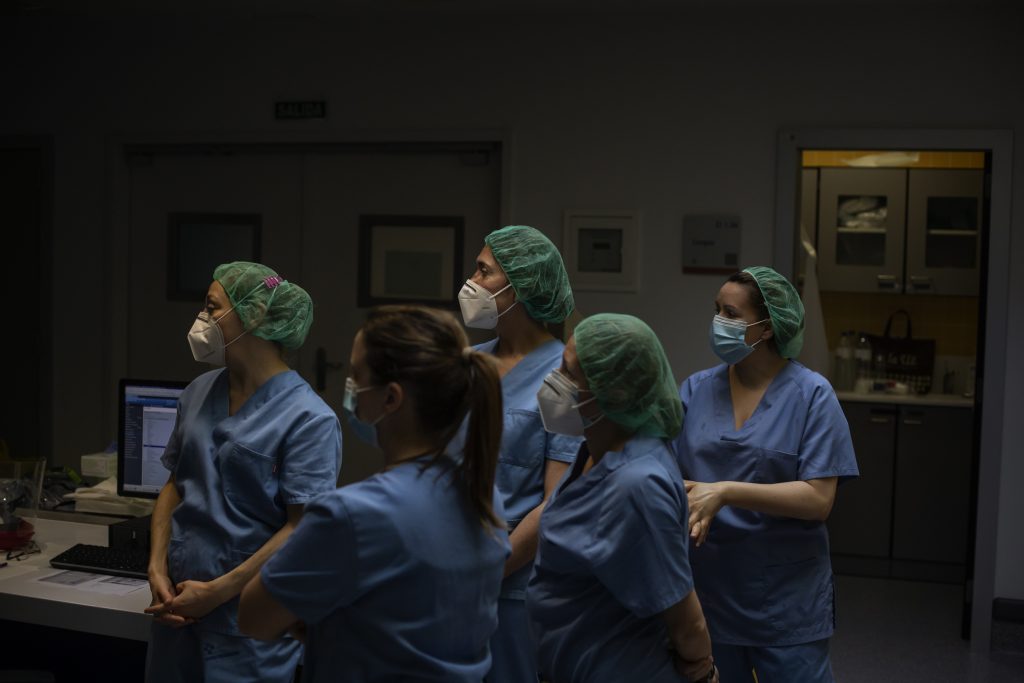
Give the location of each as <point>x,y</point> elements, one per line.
<point>313,109</point>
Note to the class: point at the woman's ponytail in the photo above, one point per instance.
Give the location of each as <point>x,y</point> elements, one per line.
<point>483,435</point>
<point>427,351</point>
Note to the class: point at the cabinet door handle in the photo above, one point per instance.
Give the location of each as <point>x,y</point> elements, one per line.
<point>920,282</point>
<point>912,421</point>
<point>887,282</point>
<point>880,419</point>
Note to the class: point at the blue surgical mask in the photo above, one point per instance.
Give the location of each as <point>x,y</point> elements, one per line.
<point>728,339</point>
<point>365,431</point>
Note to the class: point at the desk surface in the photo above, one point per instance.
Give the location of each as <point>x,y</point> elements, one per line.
<point>940,400</point>
<point>23,598</point>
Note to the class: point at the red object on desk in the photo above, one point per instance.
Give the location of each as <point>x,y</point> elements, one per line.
<point>11,540</point>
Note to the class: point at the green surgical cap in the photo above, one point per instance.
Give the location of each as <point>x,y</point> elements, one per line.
<point>629,374</point>
<point>269,306</point>
<point>784,308</point>
<point>535,269</point>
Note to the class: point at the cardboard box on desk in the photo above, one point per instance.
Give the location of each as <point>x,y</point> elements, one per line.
<point>99,465</point>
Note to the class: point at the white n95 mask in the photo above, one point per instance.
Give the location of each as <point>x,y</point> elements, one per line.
<point>479,308</point>
<point>559,403</point>
<point>207,340</point>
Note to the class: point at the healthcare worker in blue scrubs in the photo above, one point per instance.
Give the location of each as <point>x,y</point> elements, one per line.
<point>763,447</point>
<point>611,598</point>
<point>519,285</point>
<point>396,577</point>
<point>252,444</point>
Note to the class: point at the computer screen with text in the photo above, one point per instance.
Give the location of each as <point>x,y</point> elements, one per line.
<point>148,411</point>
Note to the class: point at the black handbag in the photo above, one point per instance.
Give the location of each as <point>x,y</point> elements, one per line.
<point>903,359</point>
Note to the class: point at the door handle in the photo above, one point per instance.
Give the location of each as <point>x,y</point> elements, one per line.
<point>881,416</point>
<point>912,421</point>
<point>322,368</point>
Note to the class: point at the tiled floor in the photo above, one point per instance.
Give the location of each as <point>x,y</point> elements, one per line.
<point>909,632</point>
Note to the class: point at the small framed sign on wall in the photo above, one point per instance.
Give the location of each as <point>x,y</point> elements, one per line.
<point>409,259</point>
<point>711,244</point>
<point>601,250</point>
<point>199,242</point>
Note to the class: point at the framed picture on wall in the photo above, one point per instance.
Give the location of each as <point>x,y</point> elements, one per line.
<point>601,250</point>
<point>199,242</point>
<point>409,259</point>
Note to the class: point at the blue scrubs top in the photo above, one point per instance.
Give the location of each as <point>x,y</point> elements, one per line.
<point>525,445</point>
<point>764,580</point>
<point>395,577</point>
<point>236,474</point>
<point>612,556</point>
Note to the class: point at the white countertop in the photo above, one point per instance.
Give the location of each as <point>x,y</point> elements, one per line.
<point>943,400</point>
<point>23,598</point>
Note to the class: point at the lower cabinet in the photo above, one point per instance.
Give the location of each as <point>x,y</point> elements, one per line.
<point>907,514</point>
<point>860,524</point>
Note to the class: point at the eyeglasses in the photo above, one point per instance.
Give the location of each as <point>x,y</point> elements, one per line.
<point>19,554</point>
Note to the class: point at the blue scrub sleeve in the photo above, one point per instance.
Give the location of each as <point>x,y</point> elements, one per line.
<point>172,452</point>
<point>641,548</point>
<point>826,448</point>
<point>686,390</point>
<point>311,458</point>
<point>561,447</point>
<point>689,385</point>
<point>316,571</point>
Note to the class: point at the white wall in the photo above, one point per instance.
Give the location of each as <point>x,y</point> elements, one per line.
<point>665,114</point>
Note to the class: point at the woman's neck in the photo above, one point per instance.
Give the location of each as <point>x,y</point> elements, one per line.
<point>759,368</point>
<point>403,443</point>
<point>252,364</point>
<point>605,437</point>
<point>519,334</point>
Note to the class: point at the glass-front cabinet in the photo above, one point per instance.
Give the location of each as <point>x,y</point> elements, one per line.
<point>944,230</point>
<point>861,214</point>
<point>914,230</point>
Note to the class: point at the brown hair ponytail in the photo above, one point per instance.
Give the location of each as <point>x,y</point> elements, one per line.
<point>483,436</point>
<point>426,351</point>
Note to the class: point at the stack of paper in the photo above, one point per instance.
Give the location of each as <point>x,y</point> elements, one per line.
<point>103,498</point>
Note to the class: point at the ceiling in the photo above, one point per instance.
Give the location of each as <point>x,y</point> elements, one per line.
<point>315,8</point>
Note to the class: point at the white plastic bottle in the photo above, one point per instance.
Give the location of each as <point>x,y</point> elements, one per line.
<point>862,358</point>
<point>844,371</point>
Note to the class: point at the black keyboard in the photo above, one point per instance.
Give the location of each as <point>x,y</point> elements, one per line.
<point>99,559</point>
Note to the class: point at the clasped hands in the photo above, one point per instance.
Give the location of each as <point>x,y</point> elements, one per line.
<point>184,603</point>
<point>704,501</point>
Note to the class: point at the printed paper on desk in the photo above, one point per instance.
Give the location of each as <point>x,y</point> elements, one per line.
<point>94,583</point>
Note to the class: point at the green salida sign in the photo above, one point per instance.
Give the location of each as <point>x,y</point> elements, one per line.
<point>310,109</point>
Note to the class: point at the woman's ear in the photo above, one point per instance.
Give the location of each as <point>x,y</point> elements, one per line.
<point>394,398</point>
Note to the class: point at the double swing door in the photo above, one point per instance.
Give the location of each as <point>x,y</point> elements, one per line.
<point>309,202</point>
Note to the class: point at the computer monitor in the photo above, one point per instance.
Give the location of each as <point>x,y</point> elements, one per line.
<point>146,416</point>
